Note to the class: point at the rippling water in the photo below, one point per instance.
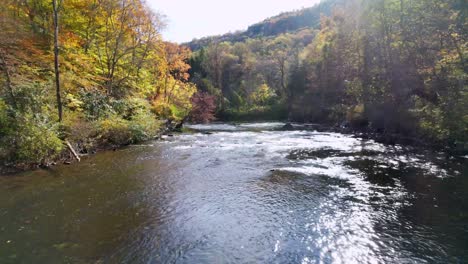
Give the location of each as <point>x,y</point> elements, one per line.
<point>241,193</point>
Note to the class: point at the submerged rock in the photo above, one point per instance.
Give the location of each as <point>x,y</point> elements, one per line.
<point>288,126</point>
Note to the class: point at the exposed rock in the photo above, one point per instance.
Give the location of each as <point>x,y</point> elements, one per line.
<point>288,126</point>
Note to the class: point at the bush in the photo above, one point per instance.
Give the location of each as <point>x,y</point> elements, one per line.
<point>144,126</point>
<point>28,134</point>
<point>95,104</point>
<point>115,131</point>
<point>166,110</point>
<point>79,131</point>
<point>35,140</point>
<point>118,131</point>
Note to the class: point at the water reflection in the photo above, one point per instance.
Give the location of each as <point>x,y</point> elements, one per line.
<point>243,193</point>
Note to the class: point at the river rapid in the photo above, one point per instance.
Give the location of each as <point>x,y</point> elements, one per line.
<point>241,193</point>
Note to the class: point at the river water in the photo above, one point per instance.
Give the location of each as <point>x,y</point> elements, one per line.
<point>245,193</point>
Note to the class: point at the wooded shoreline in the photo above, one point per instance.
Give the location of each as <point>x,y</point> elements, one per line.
<point>173,128</point>
<point>73,152</point>
<point>100,75</point>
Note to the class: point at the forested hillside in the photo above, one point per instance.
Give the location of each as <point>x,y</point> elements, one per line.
<point>288,22</point>
<point>99,74</point>
<point>117,77</point>
<point>388,66</point>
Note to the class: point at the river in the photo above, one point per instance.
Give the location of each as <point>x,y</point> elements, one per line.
<point>241,193</point>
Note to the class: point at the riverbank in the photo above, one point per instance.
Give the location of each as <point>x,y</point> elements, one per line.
<point>82,146</point>
<point>166,127</point>
<point>460,149</point>
<point>390,138</point>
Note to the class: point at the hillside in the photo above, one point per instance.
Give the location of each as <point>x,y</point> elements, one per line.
<point>378,65</point>
<point>287,22</point>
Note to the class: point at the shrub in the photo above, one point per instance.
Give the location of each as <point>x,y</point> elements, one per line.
<point>143,126</point>
<point>28,133</point>
<point>95,104</point>
<point>35,141</point>
<point>79,131</point>
<point>118,131</point>
<point>115,131</point>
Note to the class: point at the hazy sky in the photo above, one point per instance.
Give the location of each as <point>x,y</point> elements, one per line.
<point>188,19</point>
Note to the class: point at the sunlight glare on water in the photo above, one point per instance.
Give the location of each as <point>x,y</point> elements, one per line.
<point>241,193</point>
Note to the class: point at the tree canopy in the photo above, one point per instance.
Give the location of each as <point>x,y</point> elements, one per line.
<point>117,75</point>
<point>392,66</point>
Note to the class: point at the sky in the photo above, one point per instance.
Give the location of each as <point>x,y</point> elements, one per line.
<point>189,19</point>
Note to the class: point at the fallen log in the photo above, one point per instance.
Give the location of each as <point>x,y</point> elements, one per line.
<point>72,150</point>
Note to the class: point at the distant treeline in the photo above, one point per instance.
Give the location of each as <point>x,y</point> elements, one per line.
<point>287,22</point>
<point>390,66</point>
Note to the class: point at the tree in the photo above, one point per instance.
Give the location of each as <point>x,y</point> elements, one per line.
<point>204,107</point>
<point>109,62</point>
<point>56,6</point>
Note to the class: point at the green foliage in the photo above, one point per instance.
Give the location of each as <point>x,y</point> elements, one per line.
<point>79,130</point>
<point>4,119</point>
<point>28,138</point>
<point>263,95</point>
<point>395,66</point>
<point>134,123</point>
<point>95,104</point>
<point>249,74</point>
<point>117,131</point>
<point>177,113</point>
<point>116,71</point>
<point>144,126</point>
<point>36,141</point>
<point>29,133</point>
<point>34,97</point>
<point>263,113</point>
<point>236,102</point>
<point>288,22</point>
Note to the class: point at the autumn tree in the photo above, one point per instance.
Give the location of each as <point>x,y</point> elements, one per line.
<point>204,107</point>
<point>56,6</point>
<point>100,63</point>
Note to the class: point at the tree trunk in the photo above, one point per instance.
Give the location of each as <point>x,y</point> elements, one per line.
<point>56,59</point>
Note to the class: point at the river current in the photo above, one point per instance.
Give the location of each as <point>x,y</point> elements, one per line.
<point>241,193</point>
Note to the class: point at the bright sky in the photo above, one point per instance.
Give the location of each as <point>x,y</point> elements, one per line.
<point>188,19</point>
